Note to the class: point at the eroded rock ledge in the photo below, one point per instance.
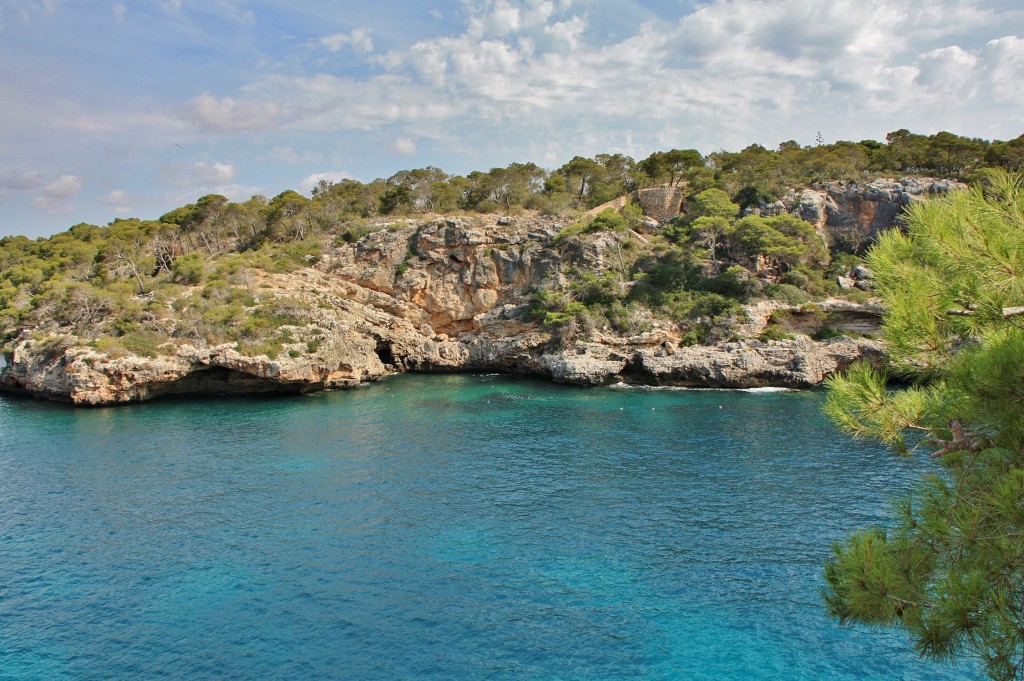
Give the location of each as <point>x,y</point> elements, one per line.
<point>447,296</point>
<point>82,376</point>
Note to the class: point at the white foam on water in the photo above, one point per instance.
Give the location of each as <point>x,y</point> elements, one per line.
<point>631,386</point>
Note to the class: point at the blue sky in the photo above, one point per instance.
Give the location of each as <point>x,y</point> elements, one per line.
<point>117,108</point>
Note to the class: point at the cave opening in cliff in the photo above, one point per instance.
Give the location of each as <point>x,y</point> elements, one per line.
<point>634,372</point>
<point>385,353</point>
<point>222,381</point>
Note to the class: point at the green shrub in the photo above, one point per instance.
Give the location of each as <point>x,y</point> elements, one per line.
<point>143,343</point>
<point>795,278</point>
<point>592,289</point>
<point>188,269</point>
<point>685,306</point>
<point>569,312</point>
<point>353,231</point>
<point>283,258</point>
<point>712,305</point>
<point>110,346</point>
<point>677,229</point>
<point>488,206</point>
<point>775,333</point>
<point>553,309</point>
<point>734,282</point>
<point>827,333</point>
<point>227,266</point>
<point>568,232</point>
<point>269,347</point>
<point>843,263</point>
<point>625,318</point>
<point>786,293</point>
<point>607,220</point>
<point>633,214</point>
<point>691,337</point>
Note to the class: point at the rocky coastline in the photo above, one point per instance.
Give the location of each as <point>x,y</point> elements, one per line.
<point>456,310</point>
<point>76,374</point>
<point>449,295</point>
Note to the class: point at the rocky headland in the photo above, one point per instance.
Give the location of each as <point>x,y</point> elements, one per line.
<point>451,294</point>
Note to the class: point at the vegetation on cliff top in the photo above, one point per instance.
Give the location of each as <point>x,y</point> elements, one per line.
<point>136,284</point>
<point>951,571</point>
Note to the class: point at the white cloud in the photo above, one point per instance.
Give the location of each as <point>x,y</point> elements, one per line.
<point>64,187</point>
<point>118,201</point>
<point>727,73</point>
<point>313,180</point>
<point>950,71</point>
<point>19,182</point>
<point>327,102</point>
<point>204,177</point>
<point>26,180</point>
<point>52,206</point>
<point>230,115</point>
<point>567,33</point>
<point>55,195</point>
<point>497,18</point>
<point>1004,64</point>
<point>501,19</point>
<point>113,198</point>
<point>214,173</point>
<point>359,39</point>
<point>404,146</point>
<point>119,10</point>
<point>289,154</point>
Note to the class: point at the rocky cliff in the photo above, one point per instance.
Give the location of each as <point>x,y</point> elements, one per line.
<point>447,295</point>
<point>849,214</point>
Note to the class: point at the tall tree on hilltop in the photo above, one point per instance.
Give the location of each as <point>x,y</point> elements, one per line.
<point>580,173</point>
<point>671,165</point>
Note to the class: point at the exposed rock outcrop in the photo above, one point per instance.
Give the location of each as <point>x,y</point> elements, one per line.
<point>799,363</point>
<point>849,214</point>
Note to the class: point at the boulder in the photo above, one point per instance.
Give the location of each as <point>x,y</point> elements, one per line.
<point>862,273</point>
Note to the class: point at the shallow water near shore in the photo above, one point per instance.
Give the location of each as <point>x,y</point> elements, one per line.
<point>459,527</point>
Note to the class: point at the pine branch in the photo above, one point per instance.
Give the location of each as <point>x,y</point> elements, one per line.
<point>969,310</point>
<point>961,442</point>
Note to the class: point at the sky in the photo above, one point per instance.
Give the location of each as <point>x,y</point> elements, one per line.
<point>130,108</point>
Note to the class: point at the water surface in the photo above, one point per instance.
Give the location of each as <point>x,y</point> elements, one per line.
<point>464,527</point>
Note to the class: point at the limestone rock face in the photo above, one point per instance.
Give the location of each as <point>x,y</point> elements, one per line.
<point>798,363</point>
<point>849,214</point>
<point>77,374</point>
<point>444,296</point>
<point>586,364</point>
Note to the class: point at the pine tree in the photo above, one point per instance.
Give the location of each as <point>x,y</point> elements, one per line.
<point>951,570</point>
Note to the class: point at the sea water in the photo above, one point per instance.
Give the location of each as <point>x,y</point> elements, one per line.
<point>450,527</point>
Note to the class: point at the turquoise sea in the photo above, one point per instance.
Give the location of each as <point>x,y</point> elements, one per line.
<point>448,527</point>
